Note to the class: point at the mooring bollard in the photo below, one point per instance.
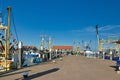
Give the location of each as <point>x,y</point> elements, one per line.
<point>60,58</point>
<point>118,70</point>
<point>25,74</point>
<point>118,67</point>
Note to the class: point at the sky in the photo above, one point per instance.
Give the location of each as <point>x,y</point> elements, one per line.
<point>65,21</point>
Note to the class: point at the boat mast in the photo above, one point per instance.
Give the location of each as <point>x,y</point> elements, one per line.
<point>8,31</point>
<point>97,35</point>
<point>6,38</point>
<point>50,44</point>
<point>42,42</point>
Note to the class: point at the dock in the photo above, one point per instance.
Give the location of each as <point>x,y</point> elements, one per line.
<point>70,67</point>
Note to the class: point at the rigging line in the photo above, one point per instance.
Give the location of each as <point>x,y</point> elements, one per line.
<point>15,27</point>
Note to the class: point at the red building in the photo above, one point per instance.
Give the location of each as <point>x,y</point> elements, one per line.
<point>66,48</point>
<point>62,50</point>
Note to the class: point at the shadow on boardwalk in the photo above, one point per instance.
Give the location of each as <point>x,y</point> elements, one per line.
<point>5,73</point>
<point>39,74</point>
<point>116,68</point>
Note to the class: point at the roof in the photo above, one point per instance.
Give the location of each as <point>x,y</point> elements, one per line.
<point>29,47</point>
<point>62,47</point>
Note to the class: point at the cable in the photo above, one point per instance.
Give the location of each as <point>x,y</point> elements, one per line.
<point>15,27</point>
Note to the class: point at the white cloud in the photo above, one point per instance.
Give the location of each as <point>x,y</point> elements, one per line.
<point>87,29</point>
<point>109,27</point>
<point>93,29</point>
<point>90,29</point>
<point>79,31</point>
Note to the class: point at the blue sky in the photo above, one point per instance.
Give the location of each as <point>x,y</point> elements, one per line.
<point>65,21</point>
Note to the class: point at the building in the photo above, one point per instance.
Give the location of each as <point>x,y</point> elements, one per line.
<point>62,48</point>
<point>59,51</point>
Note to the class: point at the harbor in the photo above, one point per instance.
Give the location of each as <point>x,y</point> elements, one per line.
<point>42,46</point>
<point>70,67</point>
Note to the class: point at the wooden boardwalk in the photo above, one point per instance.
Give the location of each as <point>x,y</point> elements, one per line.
<point>69,68</point>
